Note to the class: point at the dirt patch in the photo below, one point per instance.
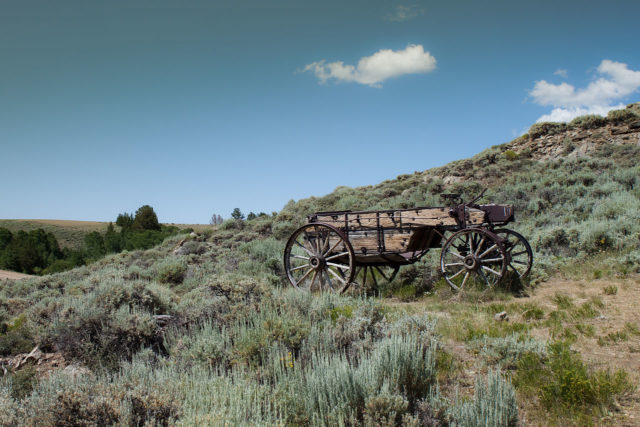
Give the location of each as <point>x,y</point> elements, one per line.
<point>4,274</point>
<point>615,340</point>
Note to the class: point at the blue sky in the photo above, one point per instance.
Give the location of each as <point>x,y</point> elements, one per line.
<point>199,107</point>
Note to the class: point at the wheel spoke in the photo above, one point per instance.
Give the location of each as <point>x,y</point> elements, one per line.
<point>515,261</point>
<point>454,263</point>
<point>344,282</point>
<point>373,277</point>
<point>491,260</point>
<point>303,277</point>
<point>332,247</point>
<point>456,255</point>
<point>382,273</point>
<point>300,257</point>
<point>305,249</point>
<point>515,270</point>
<point>488,250</point>
<point>298,268</point>
<point>341,266</point>
<point>321,279</point>
<point>458,273</point>
<point>519,253</point>
<point>493,271</point>
<point>484,277</point>
<point>336,256</point>
<point>466,276</point>
<point>479,246</point>
<point>313,279</point>
<point>329,280</point>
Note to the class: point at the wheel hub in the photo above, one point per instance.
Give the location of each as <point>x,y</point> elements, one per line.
<point>471,262</point>
<point>317,263</point>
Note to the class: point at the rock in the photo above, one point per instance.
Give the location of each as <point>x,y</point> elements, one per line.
<point>162,319</point>
<point>635,125</point>
<point>181,250</point>
<point>502,316</point>
<point>76,371</point>
<point>450,179</point>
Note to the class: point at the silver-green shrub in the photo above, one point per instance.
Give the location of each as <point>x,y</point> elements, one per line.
<point>494,404</point>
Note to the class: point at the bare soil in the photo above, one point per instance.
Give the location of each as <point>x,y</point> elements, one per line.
<point>4,274</point>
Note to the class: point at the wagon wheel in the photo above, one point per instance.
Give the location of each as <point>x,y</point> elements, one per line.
<point>519,253</point>
<point>473,252</point>
<point>319,257</point>
<point>373,275</point>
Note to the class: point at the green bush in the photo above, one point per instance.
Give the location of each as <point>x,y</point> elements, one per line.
<point>589,121</point>
<point>511,155</point>
<point>546,128</point>
<point>172,271</point>
<point>23,382</point>
<point>16,337</point>
<point>505,352</point>
<point>621,116</point>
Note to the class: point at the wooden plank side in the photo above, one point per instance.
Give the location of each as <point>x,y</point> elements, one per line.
<point>396,241</point>
<point>431,217</point>
<point>364,242</point>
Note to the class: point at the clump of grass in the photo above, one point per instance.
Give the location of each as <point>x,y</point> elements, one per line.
<point>564,383</point>
<point>494,404</point>
<point>610,290</point>
<point>532,311</point>
<point>505,352</point>
<point>563,301</point>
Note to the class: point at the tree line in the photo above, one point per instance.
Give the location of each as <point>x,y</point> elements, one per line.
<point>38,251</point>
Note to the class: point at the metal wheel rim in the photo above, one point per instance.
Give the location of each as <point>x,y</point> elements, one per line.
<point>318,257</point>
<point>518,250</point>
<point>473,254</point>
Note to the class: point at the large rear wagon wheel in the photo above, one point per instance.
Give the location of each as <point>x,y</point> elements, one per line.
<point>519,253</point>
<point>473,254</point>
<point>318,257</point>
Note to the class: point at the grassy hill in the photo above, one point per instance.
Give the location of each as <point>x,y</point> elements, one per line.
<point>206,331</point>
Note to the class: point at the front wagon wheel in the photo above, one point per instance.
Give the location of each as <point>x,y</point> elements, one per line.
<point>473,255</point>
<point>318,257</point>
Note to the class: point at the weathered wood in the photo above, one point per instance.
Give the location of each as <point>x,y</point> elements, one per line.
<point>475,216</point>
<point>396,241</point>
<point>430,217</point>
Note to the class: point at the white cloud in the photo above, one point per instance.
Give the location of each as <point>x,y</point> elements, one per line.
<point>561,72</point>
<point>404,13</point>
<point>616,82</point>
<point>373,70</point>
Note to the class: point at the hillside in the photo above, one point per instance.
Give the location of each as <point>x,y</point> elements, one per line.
<point>205,330</point>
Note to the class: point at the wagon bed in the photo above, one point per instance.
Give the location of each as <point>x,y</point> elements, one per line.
<point>406,232</point>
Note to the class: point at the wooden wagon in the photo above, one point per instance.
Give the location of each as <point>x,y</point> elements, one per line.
<point>335,249</point>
